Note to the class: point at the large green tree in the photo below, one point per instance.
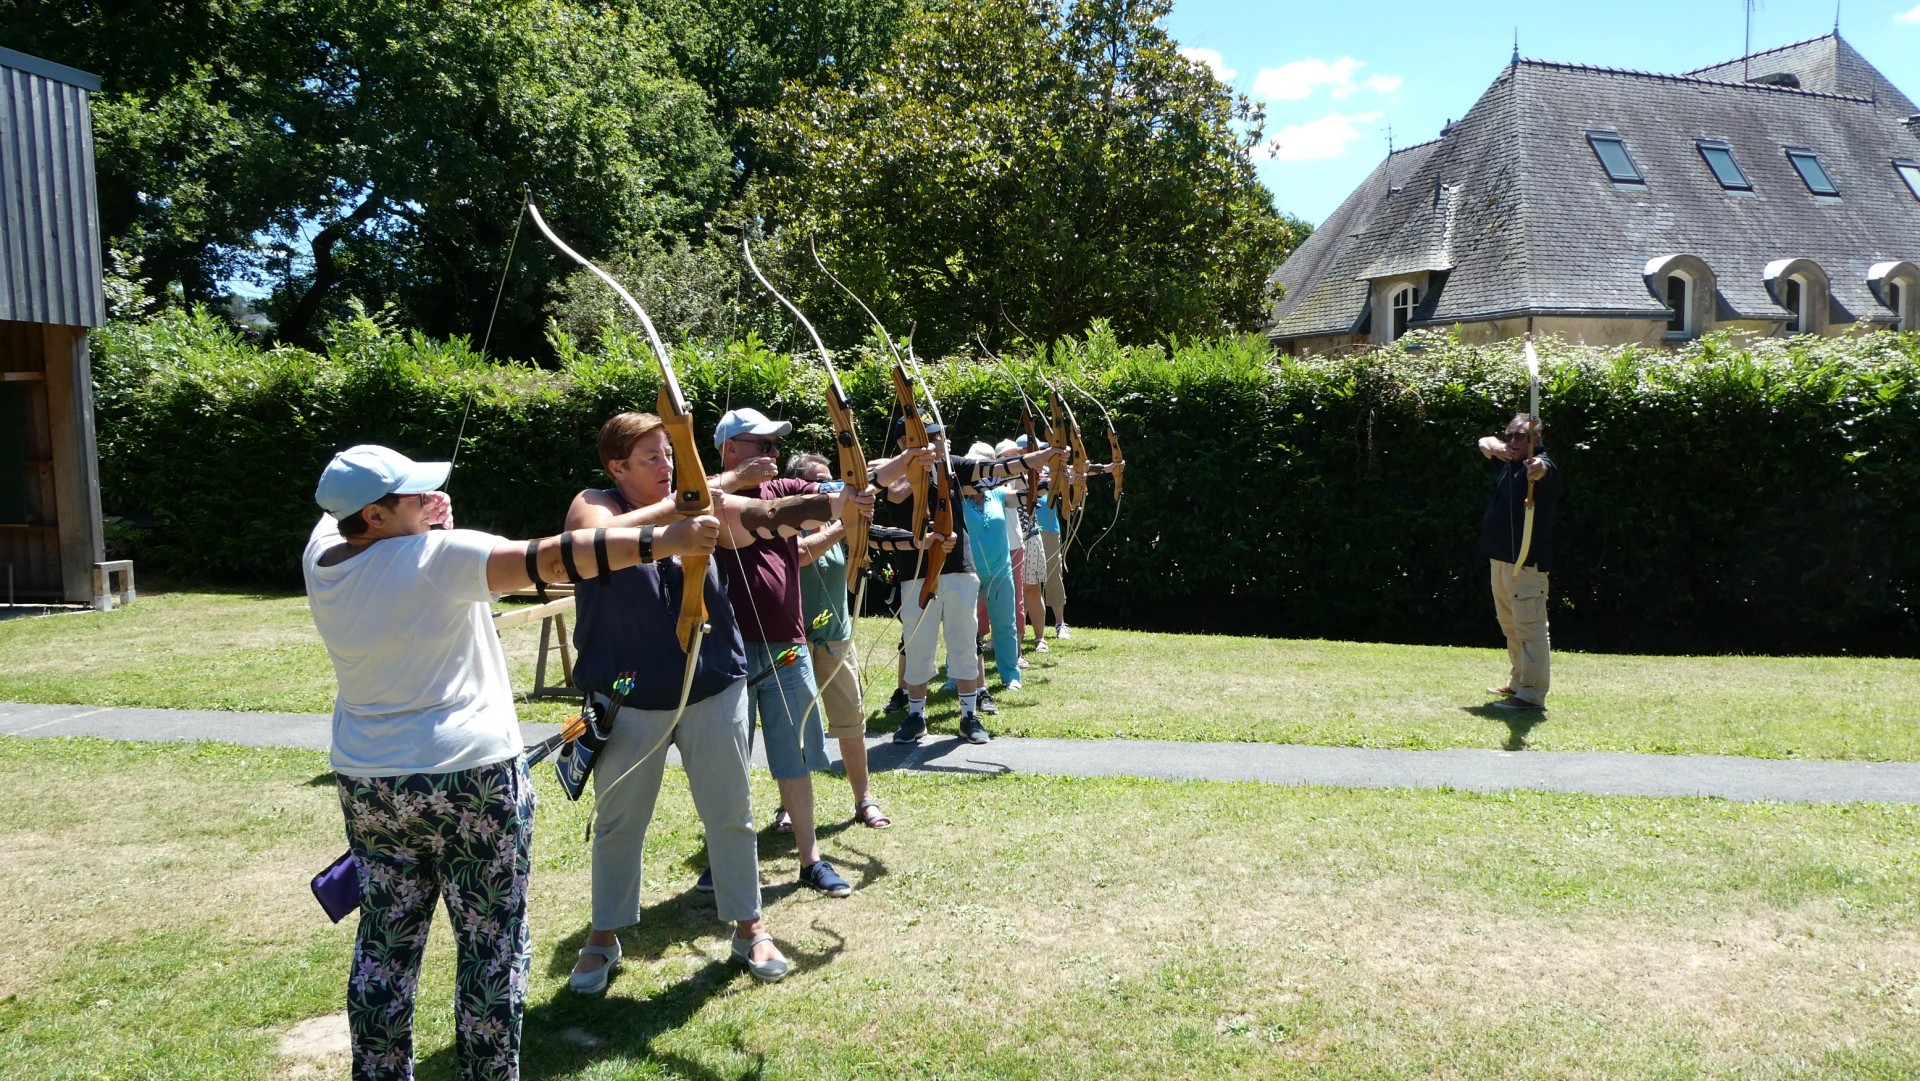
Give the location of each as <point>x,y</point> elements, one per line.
<point>377,149</point>
<point>1060,163</point>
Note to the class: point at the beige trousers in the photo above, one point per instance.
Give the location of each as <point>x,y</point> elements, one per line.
<point>1521,604</point>
<point>1056,580</point>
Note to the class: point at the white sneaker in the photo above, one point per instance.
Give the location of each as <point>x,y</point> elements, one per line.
<point>1014,686</point>
<point>1061,632</point>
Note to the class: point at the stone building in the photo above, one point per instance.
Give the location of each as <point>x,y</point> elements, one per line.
<point>1775,194</point>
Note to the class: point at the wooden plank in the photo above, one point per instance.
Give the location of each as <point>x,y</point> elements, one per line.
<point>521,616</point>
<point>76,468</point>
<point>23,377</point>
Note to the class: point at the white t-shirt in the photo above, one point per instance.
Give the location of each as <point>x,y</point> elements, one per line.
<point>423,680</point>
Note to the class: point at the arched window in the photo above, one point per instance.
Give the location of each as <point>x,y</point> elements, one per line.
<point>1897,285</point>
<point>1405,300</point>
<point>1685,286</point>
<point>1680,323</point>
<point>1800,286</point>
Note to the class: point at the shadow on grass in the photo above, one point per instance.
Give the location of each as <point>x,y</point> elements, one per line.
<point>1519,722</point>
<point>570,1033</point>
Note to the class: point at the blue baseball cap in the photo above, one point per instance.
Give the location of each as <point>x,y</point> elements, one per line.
<point>739,422</point>
<point>360,475</point>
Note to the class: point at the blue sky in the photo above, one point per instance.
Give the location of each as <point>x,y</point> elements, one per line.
<point>1334,77</point>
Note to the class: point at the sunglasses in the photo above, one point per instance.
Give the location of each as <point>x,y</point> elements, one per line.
<point>765,446</point>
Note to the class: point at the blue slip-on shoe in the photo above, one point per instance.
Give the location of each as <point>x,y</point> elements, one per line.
<point>821,876</point>
<point>705,883</point>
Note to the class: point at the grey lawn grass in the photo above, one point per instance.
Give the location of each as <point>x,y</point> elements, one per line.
<point>246,651</point>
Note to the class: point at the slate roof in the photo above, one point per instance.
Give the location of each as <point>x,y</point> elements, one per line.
<point>1512,206</point>
<point>1826,64</point>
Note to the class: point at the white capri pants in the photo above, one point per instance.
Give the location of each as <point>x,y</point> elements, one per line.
<point>954,609</point>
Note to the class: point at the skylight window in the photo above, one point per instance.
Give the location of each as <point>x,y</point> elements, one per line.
<point>1811,171</point>
<point>1612,152</point>
<point>1727,171</point>
<point>1910,172</point>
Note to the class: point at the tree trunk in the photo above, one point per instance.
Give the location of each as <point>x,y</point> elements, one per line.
<point>300,320</point>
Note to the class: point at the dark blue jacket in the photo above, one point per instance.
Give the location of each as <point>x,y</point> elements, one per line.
<point>1506,516</point>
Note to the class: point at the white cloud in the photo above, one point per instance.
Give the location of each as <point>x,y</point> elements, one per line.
<point>1296,81</point>
<point>1322,139</point>
<point>1908,16</point>
<point>1212,59</point>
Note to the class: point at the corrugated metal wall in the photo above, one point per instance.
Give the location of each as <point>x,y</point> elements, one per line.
<point>50,259</point>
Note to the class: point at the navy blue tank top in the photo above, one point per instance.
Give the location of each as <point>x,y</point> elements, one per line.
<point>625,624</point>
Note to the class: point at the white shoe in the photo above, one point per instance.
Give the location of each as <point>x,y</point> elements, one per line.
<point>1061,632</point>
<point>595,982</point>
<point>1014,686</point>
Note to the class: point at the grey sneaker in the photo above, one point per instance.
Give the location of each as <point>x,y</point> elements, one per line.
<point>985,702</point>
<point>972,730</point>
<point>912,729</point>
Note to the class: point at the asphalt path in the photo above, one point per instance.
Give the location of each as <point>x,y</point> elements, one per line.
<point>1602,773</point>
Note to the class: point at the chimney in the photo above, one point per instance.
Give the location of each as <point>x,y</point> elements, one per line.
<point>1446,129</point>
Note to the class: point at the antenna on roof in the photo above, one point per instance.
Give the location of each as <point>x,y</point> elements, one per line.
<point>1836,18</point>
<point>1389,140</point>
<point>1746,55</point>
<point>1516,47</point>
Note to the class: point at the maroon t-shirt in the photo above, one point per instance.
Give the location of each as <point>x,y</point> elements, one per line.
<point>763,579</point>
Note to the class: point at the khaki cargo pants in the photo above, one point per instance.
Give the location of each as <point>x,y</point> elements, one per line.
<point>1521,604</point>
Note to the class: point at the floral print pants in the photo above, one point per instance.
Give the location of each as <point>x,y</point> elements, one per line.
<point>467,836</point>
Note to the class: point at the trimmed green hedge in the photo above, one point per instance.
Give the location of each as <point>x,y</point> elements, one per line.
<point>1718,499</point>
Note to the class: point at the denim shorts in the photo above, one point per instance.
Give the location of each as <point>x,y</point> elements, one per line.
<point>784,704</point>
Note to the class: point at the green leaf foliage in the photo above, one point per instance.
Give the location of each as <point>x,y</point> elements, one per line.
<point>1753,498</point>
<point>1052,163</point>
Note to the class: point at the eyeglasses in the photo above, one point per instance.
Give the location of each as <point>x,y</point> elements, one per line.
<point>765,446</point>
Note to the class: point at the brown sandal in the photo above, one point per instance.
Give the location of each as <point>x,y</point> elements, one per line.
<point>875,821</point>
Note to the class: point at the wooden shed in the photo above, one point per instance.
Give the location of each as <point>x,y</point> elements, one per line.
<point>51,542</point>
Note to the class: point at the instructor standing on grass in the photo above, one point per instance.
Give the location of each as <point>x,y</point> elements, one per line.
<point>1520,595</point>
<point>426,745</point>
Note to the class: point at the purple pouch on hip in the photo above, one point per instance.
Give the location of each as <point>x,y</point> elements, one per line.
<point>338,887</point>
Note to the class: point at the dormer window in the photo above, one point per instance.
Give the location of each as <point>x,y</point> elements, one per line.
<point>1719,157</point>
<point>1801,287</point>
<point>1677,298</point>
<point>1612,152</point>
<point>1405,300</point>
<point>1811,171</point>
<point>1796,302</point>
<point>1897,285</point>
<point>1910,172</point>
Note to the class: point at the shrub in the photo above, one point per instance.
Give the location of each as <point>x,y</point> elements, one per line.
<point>1719,498</point>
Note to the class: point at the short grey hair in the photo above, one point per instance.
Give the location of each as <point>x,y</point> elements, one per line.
<point>802,459</point>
